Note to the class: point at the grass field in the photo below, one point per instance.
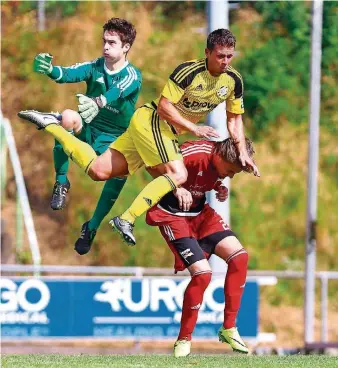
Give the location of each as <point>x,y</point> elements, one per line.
<point>158,361</point>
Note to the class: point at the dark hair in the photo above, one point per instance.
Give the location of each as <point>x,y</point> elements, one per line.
<point>123,28</point>
<point>221,37</point>
<point>227,150</point>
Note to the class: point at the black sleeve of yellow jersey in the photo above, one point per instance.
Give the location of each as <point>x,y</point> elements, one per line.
<point>235,102</point>
<point>238,91</point>
<point>184,74</point>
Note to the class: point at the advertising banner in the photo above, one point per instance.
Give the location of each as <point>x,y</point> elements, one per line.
<point>115,307</point>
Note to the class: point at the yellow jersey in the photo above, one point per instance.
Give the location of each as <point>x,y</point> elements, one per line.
<point>195,92</point>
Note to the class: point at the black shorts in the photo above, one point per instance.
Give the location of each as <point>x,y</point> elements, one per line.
<point>191,250</point>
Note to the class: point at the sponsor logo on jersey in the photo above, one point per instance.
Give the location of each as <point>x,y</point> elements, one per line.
<point>112,109</point>
<point>199,88</point>
<point>196,193</point>
<point>222,91</point>
<point>200,173</point>
<point>242,103</point>
<point>195,105</point>
<point>196,190</point>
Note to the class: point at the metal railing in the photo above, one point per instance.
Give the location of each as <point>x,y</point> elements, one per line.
<point>323,276</point>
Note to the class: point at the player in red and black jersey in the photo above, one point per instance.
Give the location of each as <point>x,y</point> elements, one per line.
<point>194,231</point>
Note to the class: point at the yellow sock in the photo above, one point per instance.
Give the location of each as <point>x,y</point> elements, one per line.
<point>79,152</point>
<point>149,196</point>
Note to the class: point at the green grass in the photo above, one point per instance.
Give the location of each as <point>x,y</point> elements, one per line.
<point>158,361</point>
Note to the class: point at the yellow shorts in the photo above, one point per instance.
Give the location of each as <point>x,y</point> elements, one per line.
<point>148,140</point>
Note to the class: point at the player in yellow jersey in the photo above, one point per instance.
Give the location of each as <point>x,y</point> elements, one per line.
<point>193,90</point>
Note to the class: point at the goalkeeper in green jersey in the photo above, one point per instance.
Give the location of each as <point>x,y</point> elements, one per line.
<point>113,86</point>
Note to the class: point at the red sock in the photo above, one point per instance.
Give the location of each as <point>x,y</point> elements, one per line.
<point>234,286</point>
<point>193,298</point>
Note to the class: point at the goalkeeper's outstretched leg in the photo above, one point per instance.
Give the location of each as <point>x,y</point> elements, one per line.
<point>121,159</point>
<point>100,168</point>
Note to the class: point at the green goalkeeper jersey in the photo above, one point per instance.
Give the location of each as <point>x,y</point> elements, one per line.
<point>121,89</point>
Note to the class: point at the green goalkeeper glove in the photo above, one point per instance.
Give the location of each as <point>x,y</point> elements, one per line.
<point>43,63</point>
<point>89,107</point>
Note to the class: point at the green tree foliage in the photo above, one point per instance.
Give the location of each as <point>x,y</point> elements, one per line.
<point>277,71</point>
<point>63,8</point>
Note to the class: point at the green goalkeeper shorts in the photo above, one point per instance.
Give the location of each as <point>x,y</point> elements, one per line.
<point>97,139</point>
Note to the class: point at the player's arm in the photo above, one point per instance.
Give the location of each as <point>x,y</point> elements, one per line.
<point>171,94</point>
<point>221,190</point>
<point>236,131</point>
<point>235,109</point>
<point>89,106</point>
<point>167,111</point>
<point>72,74</point>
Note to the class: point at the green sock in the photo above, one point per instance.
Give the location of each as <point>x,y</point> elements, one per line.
<point>61,163</point>
<point>110,192</point>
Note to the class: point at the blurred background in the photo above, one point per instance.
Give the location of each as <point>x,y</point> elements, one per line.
<point>268,214</point>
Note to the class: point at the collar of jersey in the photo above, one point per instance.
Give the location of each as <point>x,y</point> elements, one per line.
<point>112,72</point>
